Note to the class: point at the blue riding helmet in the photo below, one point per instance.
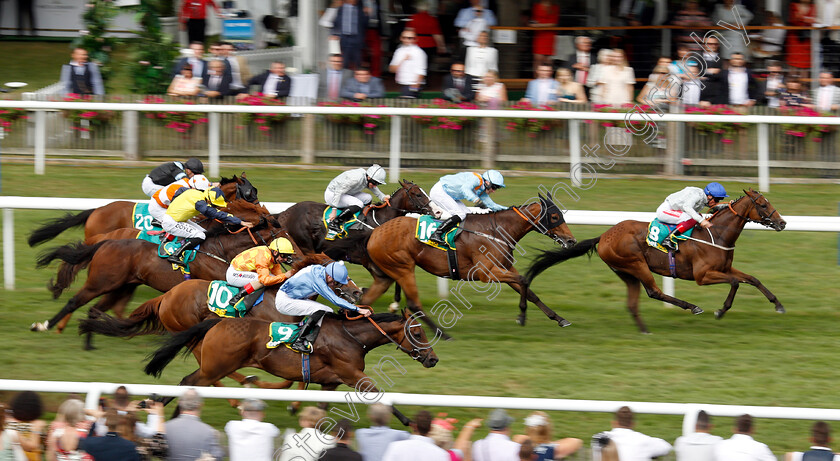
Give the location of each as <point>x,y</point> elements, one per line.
<point>338,272</point>
<point>494,177</point>
<point>715,190</point>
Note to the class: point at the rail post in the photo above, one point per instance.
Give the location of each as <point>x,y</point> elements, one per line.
<point>763,158</point>
<point>668,288</point>
<point>131,134</point>
<point>8,248</point>
<point>574,150</point>
<point>307,154</point>
<point>213,143</point>
<point>394,158</point>
<point>40,140</point>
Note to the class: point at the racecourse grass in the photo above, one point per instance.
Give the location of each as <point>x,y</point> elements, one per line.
<point>752,357</point>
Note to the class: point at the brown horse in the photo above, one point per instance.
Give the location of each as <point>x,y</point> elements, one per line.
<point>119,214</point>
<point>485,253</point>
<point>226,345</point>
<point>706,258</point>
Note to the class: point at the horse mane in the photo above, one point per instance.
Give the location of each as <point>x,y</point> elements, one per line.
<point>308,260</point>
<point>721,207</point>
<point>224,180</point>
<point>242,205</point>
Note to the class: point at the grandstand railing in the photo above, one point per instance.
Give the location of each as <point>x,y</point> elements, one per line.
<point>93,390</point>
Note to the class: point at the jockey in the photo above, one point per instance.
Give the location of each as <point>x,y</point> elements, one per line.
<point>682,208</point>
<point>170,172</point>
<point>187,204</point>
<point>476,188</point>
<point>345,191</point>
<point>258,267</point>
<point>292,299</point>
<point>162,198</point>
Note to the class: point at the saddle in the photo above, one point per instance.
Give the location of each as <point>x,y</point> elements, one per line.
<point>219,294</point>
<point>352,223</point>
<point>142,219</point>
<point>658,231</point>
<point>280,333</point>
<point>426,226</point>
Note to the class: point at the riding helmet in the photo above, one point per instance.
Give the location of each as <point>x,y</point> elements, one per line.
<point>282,245</point>
<point>338,272</point>
<point>194,165</point>
<point>715,189</point>
<point>215,197</point>
<point>200,182</point>
<point>376,174</point>
<point>494,177</point>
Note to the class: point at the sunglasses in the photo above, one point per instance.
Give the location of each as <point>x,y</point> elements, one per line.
<point>494,187</point>
<point>409,38</point>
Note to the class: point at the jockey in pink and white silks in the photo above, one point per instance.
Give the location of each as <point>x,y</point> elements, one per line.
<point>683,209</point>
<point>345,191</point>
<point>451,189</point>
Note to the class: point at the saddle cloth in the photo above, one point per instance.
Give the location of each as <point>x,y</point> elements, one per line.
<point>152,236</point>
<point>351,223</point>
<point>142,219</point>
<point>219,294</point>
<point>659,231</point>
<point>426,226</point>
<point>280,333</point>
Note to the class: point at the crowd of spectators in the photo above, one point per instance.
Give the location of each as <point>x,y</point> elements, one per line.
<point>116,431</point>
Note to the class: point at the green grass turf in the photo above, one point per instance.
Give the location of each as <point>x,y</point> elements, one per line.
<point>753,357</point>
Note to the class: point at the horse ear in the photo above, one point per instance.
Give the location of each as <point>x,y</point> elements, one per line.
<point>242,175</point>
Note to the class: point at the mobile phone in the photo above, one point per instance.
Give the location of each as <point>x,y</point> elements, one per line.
<point>154,397</point>
<point>142,404</point>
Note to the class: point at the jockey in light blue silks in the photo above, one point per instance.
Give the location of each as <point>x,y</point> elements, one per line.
<point>683,209</point>
<point>292,299</point>
<point>450,189</point>
<point>345,191</point>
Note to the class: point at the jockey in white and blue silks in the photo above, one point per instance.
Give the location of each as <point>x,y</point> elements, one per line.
<point>346,191</point>
<point>292,299</point>
<point>683,208</point>
<point>450,189</point>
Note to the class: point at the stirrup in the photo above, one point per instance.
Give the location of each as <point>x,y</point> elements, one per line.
<point>301,345</point>
<point>437,238</point>
<point>668,244</point>
<point>176,260</point>
<point>237,297</point>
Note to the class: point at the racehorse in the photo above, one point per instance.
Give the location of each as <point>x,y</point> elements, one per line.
<point>120,214</point>
<point>226,345</point>
<point>705,258</point>
<point>485,253</point>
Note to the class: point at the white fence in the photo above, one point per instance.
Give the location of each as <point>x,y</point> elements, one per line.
<point>688,410</point>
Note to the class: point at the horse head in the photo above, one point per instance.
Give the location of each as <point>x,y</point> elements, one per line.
<point>411,339</point>
<point>349,291</point>
<point>763,212</point>
<point>411,198</point>
<point>548,219</point>
<point>243,188</point>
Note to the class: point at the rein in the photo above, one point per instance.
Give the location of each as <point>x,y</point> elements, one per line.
<point>386,335</point>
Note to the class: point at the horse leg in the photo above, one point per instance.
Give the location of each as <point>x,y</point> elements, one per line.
<point>518,282</point>
<point>294,407</point>
<point>735,277</point>
<point>357,375</point>
<point>252,380</point>
<point>330,388</point>
<point>116,300</point>
<point>412,297</point>
<point>379,286</point>
<point>646,277</point>
<point>633,290</point>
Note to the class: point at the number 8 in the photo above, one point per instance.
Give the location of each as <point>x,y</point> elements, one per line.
<point>654,233</point>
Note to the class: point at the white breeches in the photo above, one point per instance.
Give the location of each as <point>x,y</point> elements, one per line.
<point>290,306</point>
<point>157,211</point>
<point>149,188</point>
<point>665,214</point>
<point>187,229</point>
<point>241,278</point>
<point>449,205</point>
<point>345,200</point>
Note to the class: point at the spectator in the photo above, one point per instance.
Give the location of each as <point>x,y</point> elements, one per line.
<point>698,446</point>
<point>616,81</point>
<point>341,451</point>
<point>363,86</point>
<point>111,447</point>
<point>418,447</point>
<point>820,438</point>
<point>802,13</point>
<point>544,13</point>
<point>497,446</point>
<point>185,83</point>
<point>691,89</point>
<point>732,13</point>
<point>188,437</point>
<point>735,85</point>
<point>538,431</point>
<point>741,446</point>
<point>773,84</point>
<point>474,19</point>
<point>595,90</point>
<point>568,90</point>
<point>81,76</point>
<point>427,28</point>
<point>251,439</point>
<point>457,86</point>
<point>373,441</point>
<point>195,58</point>
<point>441,433</point>
<point>632,445</point>
<point>658,89</point>
<point>491,93</point>
<point>769,43</point>
<point>828,15</point>
<point>609,452</point>
<point>122,402</point>
<point>373,36</point>
<point>794,95</point>
<point>273,82</point>
<point>692,20</point>
<point>349,28</point>
<point>309,443</point>
<point>150,438</point>
<point>25,419</point>
<point>543,89</point>
<point>193,18</point>
<point>235,65</point>
<point>526,451</point>
<point>409,64</point>
<point>64,441</point>
<point>217,83</point>
<point>711,53</point>
<point>9,440</point>
<point>679,66</point>
<point>481,58</point>
<point>581,60</point>
<point>333,79</point>
<point>827,96</point>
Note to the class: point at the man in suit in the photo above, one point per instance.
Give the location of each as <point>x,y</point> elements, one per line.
<point>773,84</point>
<point>81,76</point>
<point>217,82</point>
<point>827,96</point>
<point>581,60</point>
<point>111,445</point>
<point>735,85</point>
<point>350,27</point>
<point>273,82</point>
<point>542,90</point>
<point>458,86</point>
<point>237,67</point>
<point>331,81</point>
<point>828,14</point>
<point>363,87</point>
<point>196,60</point>
<point>187,436</point>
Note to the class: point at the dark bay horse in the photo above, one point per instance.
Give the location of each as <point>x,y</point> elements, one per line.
<point>706,259</point>
<point>226,345</point>
<point>119,214</point>
<point>485,253</point>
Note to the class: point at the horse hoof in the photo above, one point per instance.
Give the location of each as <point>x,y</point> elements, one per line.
<point>38,326</point>
<point>564,323</point>
<point>393,307</point>
<point>718,314</point>
<point>520,321</point>
<point>292,410</point>
<point>89,347</point>
<point>780,310</point>
<point>250,379</point>
<point>696,310</point>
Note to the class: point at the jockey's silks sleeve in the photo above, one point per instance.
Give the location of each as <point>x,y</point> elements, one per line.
<point>212,213</point>
<point>313,280</point>
<point>259,260</point>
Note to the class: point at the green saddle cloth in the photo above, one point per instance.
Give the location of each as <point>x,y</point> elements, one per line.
<point>280,333</point>
<point>344,228</point>
<point>426,226</point>
<point>153,236</point>
<point>219,294</point>
<point>657,233</point>
<point>142,219</point>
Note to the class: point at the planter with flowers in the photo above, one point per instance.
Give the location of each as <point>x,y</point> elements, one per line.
<point>8,117</point>
<point>182,123</point>
<point>264,123</point>
<point>530,126</point>
<point>88,122</point>
<point>369,124</point>
<point>451,123</point>
<point>726,131</point>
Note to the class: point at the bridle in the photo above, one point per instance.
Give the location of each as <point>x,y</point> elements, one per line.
<point>766,219</point>
<point>545,224</point>
<point>422,207</point>
<point>415,353</point>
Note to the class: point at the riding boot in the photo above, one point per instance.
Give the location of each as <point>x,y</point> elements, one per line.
<point>302,343</point>
<point>347,213</point>
<point>189,244</point>
<point>668,243</point>
<point>250,299</point>
<point>440,232</point>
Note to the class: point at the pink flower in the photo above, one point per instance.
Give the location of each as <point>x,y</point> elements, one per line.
<point>259,120</point>
<point>370,125</point>
<point>263,128</point>
<point>817,139</point>
<point>726,141</point>
<point>201,120</point>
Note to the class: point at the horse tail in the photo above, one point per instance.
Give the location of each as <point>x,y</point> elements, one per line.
<point>552,257</point>
<point>143,321</point>
<point>75,257</point>
<point>50,229</point>
<point>188,338</point>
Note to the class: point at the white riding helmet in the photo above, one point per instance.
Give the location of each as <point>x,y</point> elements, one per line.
<point>200,182</point>
<point>376,174</point>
